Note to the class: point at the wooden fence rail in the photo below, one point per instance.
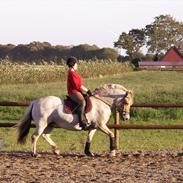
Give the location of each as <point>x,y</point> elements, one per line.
<point>15,104</point>
<point>116,126</point>
<point>24,104</point>
<point>119,127</point>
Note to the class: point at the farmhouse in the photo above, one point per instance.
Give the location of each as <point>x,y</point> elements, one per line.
<point>172,60</point>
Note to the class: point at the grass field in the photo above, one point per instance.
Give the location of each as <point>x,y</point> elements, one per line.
<point>148,87</point>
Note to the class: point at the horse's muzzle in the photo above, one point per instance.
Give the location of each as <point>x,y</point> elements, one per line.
<point>126,116</point>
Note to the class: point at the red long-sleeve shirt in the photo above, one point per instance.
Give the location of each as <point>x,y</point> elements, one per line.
<point>74,81</point>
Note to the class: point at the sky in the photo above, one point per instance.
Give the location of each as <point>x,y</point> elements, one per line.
<point>74,22</point>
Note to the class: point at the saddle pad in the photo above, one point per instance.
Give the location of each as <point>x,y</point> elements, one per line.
<point>71,107</point>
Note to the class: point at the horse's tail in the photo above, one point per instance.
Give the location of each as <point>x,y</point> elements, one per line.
<point>24,127</point>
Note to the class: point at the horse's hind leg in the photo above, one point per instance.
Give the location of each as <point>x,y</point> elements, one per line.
<point>107,131</point>
<point>46,136</point>
<point>88,142</point>
<point>40,127</point>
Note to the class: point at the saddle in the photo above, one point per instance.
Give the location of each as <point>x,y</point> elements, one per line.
<point>70,107</point>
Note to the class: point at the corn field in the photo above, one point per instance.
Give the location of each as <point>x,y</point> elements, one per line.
<point>12,73</point>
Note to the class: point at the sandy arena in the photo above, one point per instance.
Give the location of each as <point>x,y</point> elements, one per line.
<point>151,167</point>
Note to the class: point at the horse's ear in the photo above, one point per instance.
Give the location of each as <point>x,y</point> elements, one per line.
<point>130,92</point>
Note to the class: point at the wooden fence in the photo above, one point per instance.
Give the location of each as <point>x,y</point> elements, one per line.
<point>116,126</point>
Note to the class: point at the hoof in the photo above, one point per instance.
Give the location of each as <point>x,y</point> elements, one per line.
<point>36,155</point>
<point>56,152</point>
<point>113,153</point>
<point>89,154</point>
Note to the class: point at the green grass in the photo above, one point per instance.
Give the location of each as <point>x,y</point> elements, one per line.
<point>130,140</point>
<point>148,87</point>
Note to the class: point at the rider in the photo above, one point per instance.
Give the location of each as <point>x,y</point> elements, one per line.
<point>76,89</point>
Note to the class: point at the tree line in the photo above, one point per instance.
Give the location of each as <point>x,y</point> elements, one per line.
<point>38,52</point>
<point>156,37</point>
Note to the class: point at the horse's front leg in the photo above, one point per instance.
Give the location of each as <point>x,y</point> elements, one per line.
<point>88,142</point>
<point>107,131</point>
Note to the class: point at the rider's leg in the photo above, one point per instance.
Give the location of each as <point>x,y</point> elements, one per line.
<point>78,98</point>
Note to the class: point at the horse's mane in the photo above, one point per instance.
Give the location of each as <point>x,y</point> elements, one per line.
<point>109,89</point>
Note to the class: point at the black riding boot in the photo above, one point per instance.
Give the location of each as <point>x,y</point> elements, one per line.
<point>83,122</point>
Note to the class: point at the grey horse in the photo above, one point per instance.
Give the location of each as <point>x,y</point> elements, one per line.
<point>48,112</point>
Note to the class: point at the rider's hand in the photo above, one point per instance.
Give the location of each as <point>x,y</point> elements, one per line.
<point>89,93</point>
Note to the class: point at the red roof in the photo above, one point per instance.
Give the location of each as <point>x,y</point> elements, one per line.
<point>173,54</point>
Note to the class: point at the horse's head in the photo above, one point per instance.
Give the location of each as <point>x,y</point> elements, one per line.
<point>118,97</point>
<point>124,104</point>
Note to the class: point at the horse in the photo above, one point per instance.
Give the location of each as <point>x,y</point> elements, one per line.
<point>48,112</point>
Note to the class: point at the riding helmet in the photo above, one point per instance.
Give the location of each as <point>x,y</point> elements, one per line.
<point>71,61</point>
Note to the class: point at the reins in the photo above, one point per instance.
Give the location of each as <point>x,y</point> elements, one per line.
<point>102,100</point>
<point>96,98</point>
<point>106,101</point>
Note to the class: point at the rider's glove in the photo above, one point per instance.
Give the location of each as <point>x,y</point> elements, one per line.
<point>89,93</point>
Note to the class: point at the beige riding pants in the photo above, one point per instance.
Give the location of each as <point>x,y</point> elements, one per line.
<point>78,98</point>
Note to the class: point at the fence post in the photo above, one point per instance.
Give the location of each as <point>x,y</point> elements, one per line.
<point>116,131</point>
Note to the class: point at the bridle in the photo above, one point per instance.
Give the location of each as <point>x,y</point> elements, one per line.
<point>115,104</point>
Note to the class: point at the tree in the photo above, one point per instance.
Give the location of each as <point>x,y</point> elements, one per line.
<point>138,37</point>
<point>5,50</point>
<point>125,41</point>
<point>87,52</point>
<point>83,51</point>
<point>131,41</point>
<point>105,54</point>
<point>158,37</point>
<point>164,32</point>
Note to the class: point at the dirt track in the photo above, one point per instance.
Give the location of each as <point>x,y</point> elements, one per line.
<point>70,168</point>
